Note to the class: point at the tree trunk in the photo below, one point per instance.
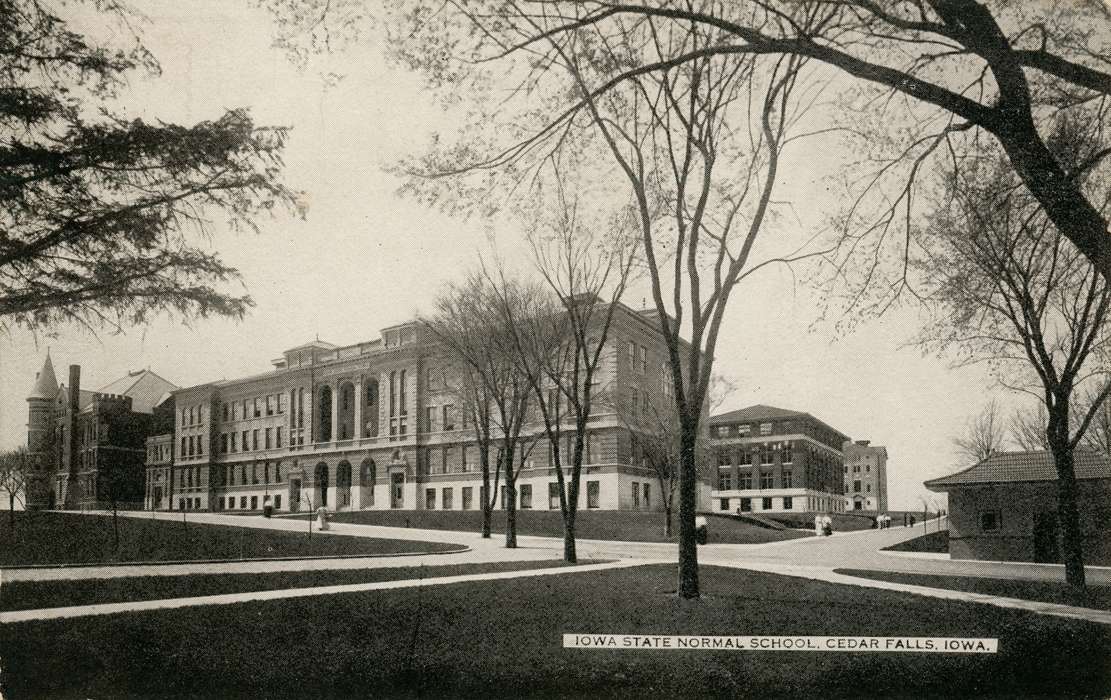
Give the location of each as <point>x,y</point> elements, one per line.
<point>688,546</point>
<point>667,521</point>
<point>11,509</point>
<point>569,553</point>
<point>487,515</point>
<point>1069,515</point>
<point>510,503</point>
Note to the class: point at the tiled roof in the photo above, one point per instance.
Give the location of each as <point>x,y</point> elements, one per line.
<point>145,388</point>
<point>1006,467</point>
<point>756,413</point>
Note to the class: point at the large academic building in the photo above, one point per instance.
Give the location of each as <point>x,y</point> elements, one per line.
<point>776,460</point>
<point>865,476</point>
<point>376,425</point>
<point>90,445</point>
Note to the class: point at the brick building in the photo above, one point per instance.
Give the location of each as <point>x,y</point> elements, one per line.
<point>771,459</point>
<point>376,425</point>
<point>90,444</point>
<point>865,476</point>
<point>1005,508</point>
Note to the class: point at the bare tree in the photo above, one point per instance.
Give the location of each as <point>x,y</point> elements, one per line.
<point>1028,428</point>
<point>983,434</point>
<point>560,331</point>
<point>15,477</point>
<point>1013,292</point>
<point>476,338</point>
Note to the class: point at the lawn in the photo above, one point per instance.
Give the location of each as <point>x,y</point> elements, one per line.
<point>805,521</point>
<point>503,639</point>
<point>1098,597</point>
<point>622,526</point>
<point>936,542</point>
<point>63,538</point>
<point>30,595</point>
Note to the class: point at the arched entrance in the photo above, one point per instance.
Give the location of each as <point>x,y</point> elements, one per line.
<point>324,411</point>
<point>343,485</point>
<point>320,484</point>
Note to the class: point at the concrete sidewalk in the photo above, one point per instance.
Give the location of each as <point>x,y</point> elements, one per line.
<point>829,576</point>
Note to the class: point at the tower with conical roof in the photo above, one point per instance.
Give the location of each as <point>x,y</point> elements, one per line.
<point>40,429</point>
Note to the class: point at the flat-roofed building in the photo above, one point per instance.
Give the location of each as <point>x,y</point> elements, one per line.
<point>865,476</point>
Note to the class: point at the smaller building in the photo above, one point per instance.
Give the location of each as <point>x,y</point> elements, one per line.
<point>865,476</point>
<point>1005,508</point>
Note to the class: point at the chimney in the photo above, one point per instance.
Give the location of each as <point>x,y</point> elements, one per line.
<point>72,455</point>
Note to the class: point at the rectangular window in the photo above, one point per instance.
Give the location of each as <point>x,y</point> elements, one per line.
<point>636,495</point>
<point>631,352</point>
<point>443,459</point>
<point>245,444</point>
<point>463,465</point>
<point>448,499</point>
<point>526,496</point>
<point>744,480</point>
<point>647,496</point>
<point>254,502</point>
<point>278,436</point>
<point>268,437</point>
<point>448,421</point>
<point>766,480</point>
<point>766,503</point>
<point>746,505</point>
<point>234,441</point>
<point>724,460</point>
<point>787,479</point>
<point>277,501</point>
<point>990,520</point>
<point>468,497</point>
<point>258,408</point>
<point>223,443</point>
<point>429,418</point>
<point>856,485</point>
<point>243,502</point>
<point>224,412</point>
<point>254,439</point>
<point>430,499</point>
<point>767,453</point>
<point>788,503</point>
<point>553,495</point>
<point>183,446</point>
<point>725,479</point>
<point>723,504</point>
<point>765,428</point>
<point>785,454</point>
<point>593,490</point>
<point>643,360</point>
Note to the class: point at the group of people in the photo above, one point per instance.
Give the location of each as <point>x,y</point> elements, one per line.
<point>823,525</point>
<point>883,521</point>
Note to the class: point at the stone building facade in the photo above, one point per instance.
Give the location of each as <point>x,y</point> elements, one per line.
<point>377,425</point>
<point>865,476</point>
<point>770,459</point>
<point>1005,508</point>
<point>89,445</point>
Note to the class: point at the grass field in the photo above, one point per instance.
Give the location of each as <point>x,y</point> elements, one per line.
<point>31,595</point>
<point>935,542</point>
<point>62,538</point>
<point>503,639</point>
<point>1098,597</point>
<point>589,525</point>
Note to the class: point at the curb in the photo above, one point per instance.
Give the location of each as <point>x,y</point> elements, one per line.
<point>176,562</point>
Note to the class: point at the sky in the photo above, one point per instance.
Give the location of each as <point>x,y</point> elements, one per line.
<point>364,258</point>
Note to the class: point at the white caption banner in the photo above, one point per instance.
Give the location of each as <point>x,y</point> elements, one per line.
<point>939,645</point>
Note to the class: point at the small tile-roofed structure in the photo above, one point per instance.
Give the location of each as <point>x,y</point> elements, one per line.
<point>1005,508</point>
<point>1004,467</point>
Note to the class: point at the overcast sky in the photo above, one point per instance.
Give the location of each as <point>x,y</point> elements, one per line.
<point>364,258</point>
